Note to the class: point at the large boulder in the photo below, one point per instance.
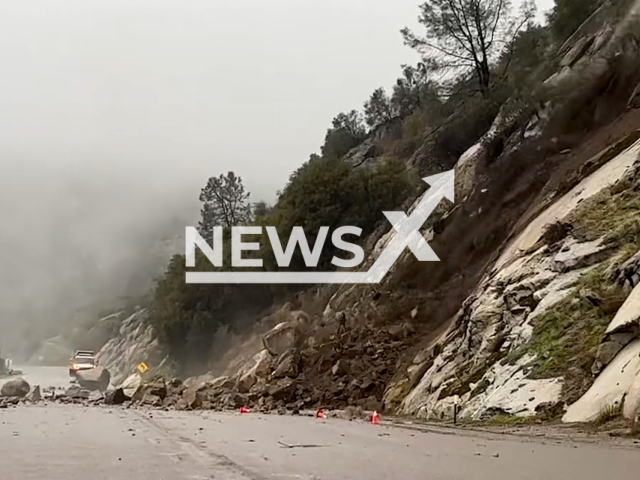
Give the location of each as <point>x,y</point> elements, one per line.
<point>15,388</point>
<point>470,161</point>
<point>131,384</point>
<point>260,368</point>
<point>151,400</point>
<point>95,379</point>
<point>155,388</point>
<point>283,389</point>
<point>175,387</point>
<point>193,397</point>
<point>115,397</point>
<point>196,394</point>
<point>199,380</point>
<point>286,335</point>
<point>281,339</point>
<point>365,151</point>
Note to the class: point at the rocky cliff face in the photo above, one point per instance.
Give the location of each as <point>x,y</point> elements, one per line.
<point>135,343</point>
<point>527,314</point>
<point>527,339</point>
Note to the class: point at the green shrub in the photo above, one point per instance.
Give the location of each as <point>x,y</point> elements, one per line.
<point>330,192</point>
<point>472,119</point>
<point>187,316</point>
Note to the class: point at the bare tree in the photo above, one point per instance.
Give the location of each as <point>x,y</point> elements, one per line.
<point>225,203</point>
<point>467,35</point>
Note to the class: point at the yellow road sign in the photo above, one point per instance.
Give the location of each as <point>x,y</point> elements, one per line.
<point>143,367</point>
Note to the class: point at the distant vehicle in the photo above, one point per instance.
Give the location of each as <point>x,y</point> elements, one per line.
<point>82,360</point>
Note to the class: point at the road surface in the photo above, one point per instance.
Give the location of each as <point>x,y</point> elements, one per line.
<point>59,442</point>
<point>44,376</point>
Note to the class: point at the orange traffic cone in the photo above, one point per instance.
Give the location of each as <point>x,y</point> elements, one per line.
<point>320,414</point>
<point>375,420</point>
<point>244,410</point>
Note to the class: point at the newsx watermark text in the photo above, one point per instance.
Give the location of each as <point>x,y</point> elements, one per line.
<point>406,235</point>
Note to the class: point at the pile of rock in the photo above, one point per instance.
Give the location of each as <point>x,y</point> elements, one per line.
<point>18,391</point>
<point>297,369</point>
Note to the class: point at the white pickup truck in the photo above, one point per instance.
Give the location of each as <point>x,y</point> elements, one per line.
<point>82,360</point>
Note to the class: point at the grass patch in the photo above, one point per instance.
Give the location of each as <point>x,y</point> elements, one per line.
<point>566,338</point>
<point>608,414</point>
<point>613,214</point>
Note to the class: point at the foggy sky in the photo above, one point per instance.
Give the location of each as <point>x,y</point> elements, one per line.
<point>114,113</point>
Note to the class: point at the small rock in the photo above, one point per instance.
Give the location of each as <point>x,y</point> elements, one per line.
<point>339,369</point>
<point>34,395</point>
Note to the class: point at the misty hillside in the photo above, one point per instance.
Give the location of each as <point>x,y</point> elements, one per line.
<point>99,246</point>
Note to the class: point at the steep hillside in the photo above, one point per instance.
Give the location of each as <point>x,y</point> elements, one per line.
<point>530,304</point>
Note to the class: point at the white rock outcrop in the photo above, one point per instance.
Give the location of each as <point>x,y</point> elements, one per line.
<point>609,389</point>
<point>135,343</point>
<point>628,317</point>
<point>512,392</point>
<point>631,407</point>
<point>499,318</point>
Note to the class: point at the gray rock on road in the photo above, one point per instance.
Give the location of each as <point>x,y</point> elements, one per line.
<point>95,379</point>
<point>76,392</point>
<point>115,397</point>
<point>131,384</point>
<point>152,390</point>
<point>34,395</point>
<point>15,388</point>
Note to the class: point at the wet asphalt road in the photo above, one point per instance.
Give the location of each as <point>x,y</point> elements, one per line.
<point>44,376</point>
<point>60,442</point>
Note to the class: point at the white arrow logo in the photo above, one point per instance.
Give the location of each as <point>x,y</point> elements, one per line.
<point>407,234</point>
